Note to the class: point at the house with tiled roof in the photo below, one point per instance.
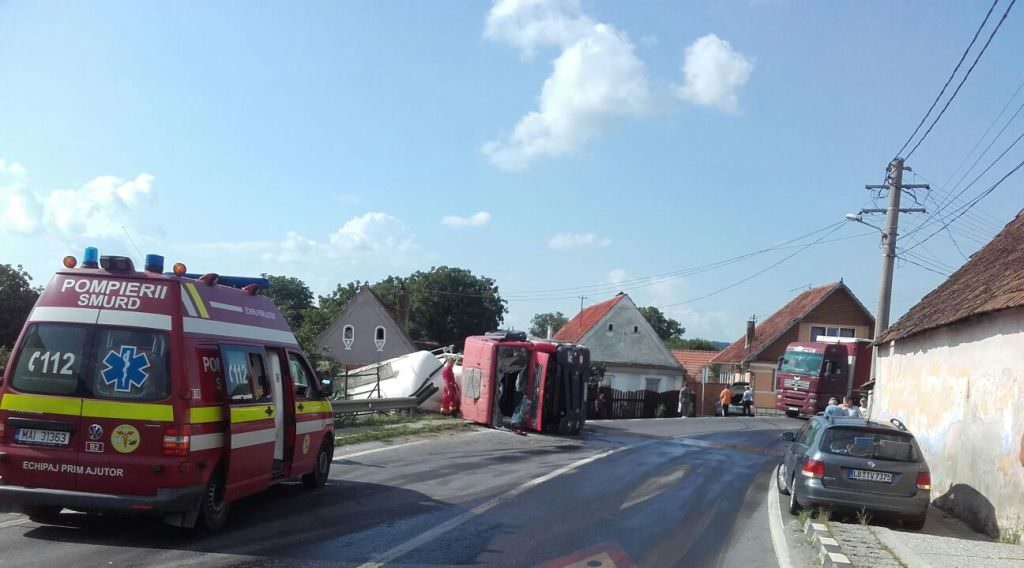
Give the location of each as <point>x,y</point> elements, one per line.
<point>952,369</point>
<point>694,362</point>
<point>619,337</point>
<point>830,310</point>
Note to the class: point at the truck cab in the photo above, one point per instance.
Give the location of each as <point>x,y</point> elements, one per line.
<point>811,372</point>
<point>511,381</point>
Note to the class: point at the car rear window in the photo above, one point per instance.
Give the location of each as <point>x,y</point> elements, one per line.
<point>868,443</point>
<point>94,362</point>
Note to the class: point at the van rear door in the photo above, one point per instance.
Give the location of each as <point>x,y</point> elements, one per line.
<point>41,407</point>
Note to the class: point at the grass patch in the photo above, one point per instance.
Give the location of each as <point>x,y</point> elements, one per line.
<point>1010,535</point>
<point>824,516</point>
<point>864,517</point>
<point>805,515</point>
<point>400,431</point>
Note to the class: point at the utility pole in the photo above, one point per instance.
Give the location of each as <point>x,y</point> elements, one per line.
<point>580,322</point>
<point>896,187</point>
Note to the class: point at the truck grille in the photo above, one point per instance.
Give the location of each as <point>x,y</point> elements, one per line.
<point>796,384</point>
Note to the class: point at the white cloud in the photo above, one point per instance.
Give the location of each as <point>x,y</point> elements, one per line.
<point>478,219</point>
<point>596,76</point>
<point>713,71</point>
<point>97,209</point>
<point>563,241</point>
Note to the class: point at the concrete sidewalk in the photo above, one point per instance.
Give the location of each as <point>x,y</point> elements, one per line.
<point>945,542</point>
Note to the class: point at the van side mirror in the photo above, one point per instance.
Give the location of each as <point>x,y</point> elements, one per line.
<point>326,385</point>
<point>788,436</point>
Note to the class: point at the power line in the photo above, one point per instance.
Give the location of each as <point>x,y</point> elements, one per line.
<point>964,79</point>
<point>949,80</point>
<point>919,265</point>
<point>971,204</point>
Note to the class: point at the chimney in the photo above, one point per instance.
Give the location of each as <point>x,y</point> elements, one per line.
<point>751,324</point>
<point>549,331</point>
<point>403,308</point>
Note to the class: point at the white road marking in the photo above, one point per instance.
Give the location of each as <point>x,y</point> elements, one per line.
<point>13,522</point>
<point>425,537</point>
<point>777,525</point>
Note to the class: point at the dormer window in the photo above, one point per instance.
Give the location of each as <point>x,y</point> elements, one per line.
<point>611,328</point>
<point>348,335</point>
<point>636,329</point>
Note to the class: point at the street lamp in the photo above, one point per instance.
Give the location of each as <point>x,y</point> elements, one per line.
<point>859,218</point>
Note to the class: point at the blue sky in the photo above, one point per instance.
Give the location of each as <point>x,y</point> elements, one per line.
<point>577,147</point>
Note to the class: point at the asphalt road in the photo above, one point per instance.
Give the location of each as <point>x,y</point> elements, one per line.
<point>674,492</point>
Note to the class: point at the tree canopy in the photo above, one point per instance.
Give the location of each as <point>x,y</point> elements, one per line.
<point>697,344</point>
<point>666,327</point>
<point>540,323</point>
<point>292,296</point>
<point>17,296</point>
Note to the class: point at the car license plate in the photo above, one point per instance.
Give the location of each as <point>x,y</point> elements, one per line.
<point>42,437</point>
<point>863,475</point>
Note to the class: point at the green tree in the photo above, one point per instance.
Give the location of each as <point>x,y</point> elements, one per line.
<point>666,327</point>
<point>540,323</point>
<point>292,296</point>
<point>697,343</point>
<point>448,304</point>
<point>17,296</point>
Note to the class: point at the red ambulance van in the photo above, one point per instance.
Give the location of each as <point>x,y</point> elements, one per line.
<point>145,392</point>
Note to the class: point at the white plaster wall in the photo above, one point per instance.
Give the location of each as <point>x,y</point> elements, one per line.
<point>631,380</point>
<point>960,390</point>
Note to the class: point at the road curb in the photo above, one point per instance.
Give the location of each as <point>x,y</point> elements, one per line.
<point>830,553</point>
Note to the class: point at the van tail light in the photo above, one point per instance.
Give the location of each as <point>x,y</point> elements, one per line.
<point>813,468</point>
<point>924,481</point>
<point>177,440</point>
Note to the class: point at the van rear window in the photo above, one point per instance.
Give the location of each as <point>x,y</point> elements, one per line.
<point>94,362</point>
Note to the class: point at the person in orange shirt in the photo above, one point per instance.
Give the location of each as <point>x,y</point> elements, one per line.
<point>725,398</point>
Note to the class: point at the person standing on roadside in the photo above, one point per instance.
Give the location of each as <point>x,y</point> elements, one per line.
<point>748,401</point>
<point>450,393</point>
<point>833,408</point>
<point>684,401</point>
<point>725,398</point>
<point>851,410</point>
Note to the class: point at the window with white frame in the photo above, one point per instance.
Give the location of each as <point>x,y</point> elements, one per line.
<point>830,331</point>
<point>348,335</point>
<point>611,328</point>
<point>380,336</point>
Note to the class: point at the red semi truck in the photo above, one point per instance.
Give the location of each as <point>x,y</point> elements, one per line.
<point>810,372</point>
<point>509,380</point>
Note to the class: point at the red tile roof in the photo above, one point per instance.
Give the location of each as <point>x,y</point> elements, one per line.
<point>992,280</point>
<point>693,361</point>
<point>588,318</point>
<point>777,324</point>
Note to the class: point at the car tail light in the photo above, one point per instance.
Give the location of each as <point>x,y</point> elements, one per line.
<point>924,481</point>
<point>177,440</point>
<point>813,468</point>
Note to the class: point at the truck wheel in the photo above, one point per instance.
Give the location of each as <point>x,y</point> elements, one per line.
<point>794,504</point>
<point>318,477</point>
<point>213,511</point>
<point>780,479</point>
<point>43,514</point>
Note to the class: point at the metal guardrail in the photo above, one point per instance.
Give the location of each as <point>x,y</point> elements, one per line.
<point>373,404</point>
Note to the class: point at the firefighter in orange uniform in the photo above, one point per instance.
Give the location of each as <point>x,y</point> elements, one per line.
<point>450,392</point>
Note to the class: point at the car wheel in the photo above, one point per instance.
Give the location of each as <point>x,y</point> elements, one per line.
<point>214,510</point>
<point>794,504</point>
<point>915,523</point>
<point>318,477</point>
<point>43,514</point>
<point>780,478</point>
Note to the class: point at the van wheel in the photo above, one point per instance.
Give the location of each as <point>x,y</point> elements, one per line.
<point>43,514</point>
<point>318,477</point>
<point>780,479</point>
<point>794,504</point>
<point>213,512</point>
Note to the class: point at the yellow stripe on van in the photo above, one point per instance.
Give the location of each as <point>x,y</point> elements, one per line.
<point>206,414</point>
<point>251,413</point>
<point>127,410</point>
<point>312,406</point>
<point>41,404</point>
<point>199,301</point>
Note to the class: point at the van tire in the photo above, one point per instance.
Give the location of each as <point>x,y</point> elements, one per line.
<point>43,514</point>
<point>322,470</point>
<point>213,510</point>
